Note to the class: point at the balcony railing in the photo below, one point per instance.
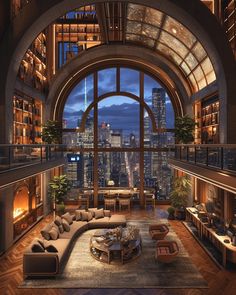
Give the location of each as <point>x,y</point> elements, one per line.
<point>219,156</point>
<point>18,155</point>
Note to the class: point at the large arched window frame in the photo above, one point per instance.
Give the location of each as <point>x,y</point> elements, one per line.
<point>141,149</point>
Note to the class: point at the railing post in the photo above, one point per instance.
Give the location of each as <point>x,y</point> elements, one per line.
<point>207,156</point>
<point>41,154</point>
<point>187,158</point>
<point>222,158</point>
<point>195,155</point>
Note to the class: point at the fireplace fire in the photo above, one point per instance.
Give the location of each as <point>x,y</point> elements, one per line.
<point>21,202</point>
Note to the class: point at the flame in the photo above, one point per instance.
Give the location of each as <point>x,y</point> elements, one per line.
<point>17,212</point>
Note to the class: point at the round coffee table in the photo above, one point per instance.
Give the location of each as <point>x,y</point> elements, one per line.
<point>105,247</point>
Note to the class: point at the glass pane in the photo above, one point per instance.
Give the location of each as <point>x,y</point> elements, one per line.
<point>81,139</point>
<point>150,31</point>
<point>153,17</point>
<point>170,53</point>
<point>133,27</point>
<point>199,51</point>
<point>118,169</point>
<point>198,73</point>
<point>79,170</point>
<point>191,61</point>
<point>193,82</point>
<point>77,102</point>
<point>185,68</point>
<point>211,77</point>
<point>207,66</point>
<point>106,81</point>
<point>135,12</point>
<point>157,174</point>
<point>158,101</point>
<point>118,122</point>
<point>129,81</point>
<point>174,43</point>
<point>179,31</point>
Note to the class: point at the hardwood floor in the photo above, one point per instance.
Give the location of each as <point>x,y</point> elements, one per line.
<point>221,282</point>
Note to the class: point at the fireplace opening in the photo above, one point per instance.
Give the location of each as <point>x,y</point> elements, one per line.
<point>21,203</point>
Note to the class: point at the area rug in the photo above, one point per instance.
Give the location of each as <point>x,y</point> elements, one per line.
<point>83,271</point>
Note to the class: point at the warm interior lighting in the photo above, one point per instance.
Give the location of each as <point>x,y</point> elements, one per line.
<point>21,202</point>
<point>174,31</point>
<point>17,212</point>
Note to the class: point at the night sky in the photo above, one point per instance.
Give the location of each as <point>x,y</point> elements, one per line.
<point>119,111</point>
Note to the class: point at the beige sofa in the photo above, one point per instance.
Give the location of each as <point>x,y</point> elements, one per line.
<point>51,264</point>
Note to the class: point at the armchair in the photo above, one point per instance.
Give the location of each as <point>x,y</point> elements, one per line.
<point>158,231</point>
<point>166,251</point>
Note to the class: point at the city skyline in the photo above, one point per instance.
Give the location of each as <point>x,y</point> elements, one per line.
<point>116,110</point>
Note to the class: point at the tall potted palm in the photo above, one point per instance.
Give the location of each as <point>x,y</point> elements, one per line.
<point>181,188</point>
<point>58,187</point>
<point>184,128</point>
<point>52,132</point>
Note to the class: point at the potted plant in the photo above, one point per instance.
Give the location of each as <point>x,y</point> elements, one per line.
<point>184,128</point>
<point>51,132</point>
<point>179,195</point>
<point>171,211</point>
<point>58,187</point>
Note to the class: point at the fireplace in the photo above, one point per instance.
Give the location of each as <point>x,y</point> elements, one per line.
<point>21,203</point>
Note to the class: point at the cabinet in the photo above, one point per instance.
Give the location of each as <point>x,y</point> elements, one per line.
<point>27,120</point>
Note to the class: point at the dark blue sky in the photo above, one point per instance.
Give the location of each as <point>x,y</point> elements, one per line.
<point>121,112</point>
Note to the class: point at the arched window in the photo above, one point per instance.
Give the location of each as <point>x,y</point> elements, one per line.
<point>118,122</point>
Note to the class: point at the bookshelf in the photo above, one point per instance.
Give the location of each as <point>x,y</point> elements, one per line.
<point>27,120</point>
<point>206,113</point>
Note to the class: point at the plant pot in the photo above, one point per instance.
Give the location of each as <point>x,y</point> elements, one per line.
<point>60,209</point>
<point>180,214</point>
<point>171,217</point>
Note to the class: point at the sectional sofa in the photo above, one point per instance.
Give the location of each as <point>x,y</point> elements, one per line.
<point>46,255</point>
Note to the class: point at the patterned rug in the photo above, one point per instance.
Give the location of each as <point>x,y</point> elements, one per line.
<point>84,271</point>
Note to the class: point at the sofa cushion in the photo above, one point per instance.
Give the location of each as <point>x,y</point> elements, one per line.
<point>54,233</point>
<point>76,227</point>
<point>66,225</point>
<point>99,214</point>
<point>68,217</point>
<point>62,246</point>
<point>163,250</point>
<point>86,216</point>
<point>117,219</point>
<point>78,214</point>
<point>92,210</point>
<point>58,220</point>
<point>61,229</point>
<point>36,247</point>
<point>107,213</point>
<point>45,232</point>
<point>100,220</point>
<point>51,248</point>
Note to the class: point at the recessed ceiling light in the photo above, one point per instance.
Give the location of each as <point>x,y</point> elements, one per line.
<point>174,30</point>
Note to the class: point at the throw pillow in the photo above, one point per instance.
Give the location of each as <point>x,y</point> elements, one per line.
<point>78,214</point>
<point>58,220</point>
<point>45,232</point>
<point>41,242</point>
<point>68,217</point>
<point>37,248</point>
<point>107,213</point>
<point>51,248</point>
<point>86,216</point>
<point>66,225</point>
<point>61,229</point>
<point>54,233</point>
<point>99,214</point>
<point>92,210</point>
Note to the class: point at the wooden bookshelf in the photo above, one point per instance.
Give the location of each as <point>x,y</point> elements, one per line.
<point>27,120</point>
<point>206,113</point>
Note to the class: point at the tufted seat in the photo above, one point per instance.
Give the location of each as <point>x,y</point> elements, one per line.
<point>158,231</point>
<point>166,251</point>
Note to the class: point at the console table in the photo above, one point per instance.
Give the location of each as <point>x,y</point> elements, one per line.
<point>227,249</point>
